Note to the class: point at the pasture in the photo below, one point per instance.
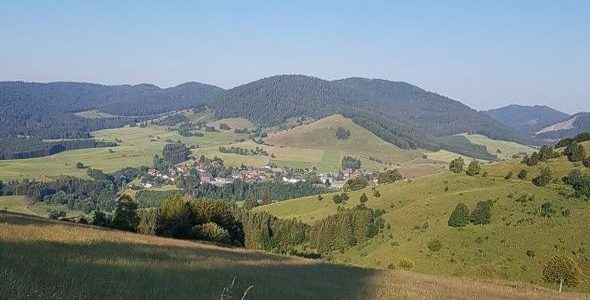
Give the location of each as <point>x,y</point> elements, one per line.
<point>49,259</point>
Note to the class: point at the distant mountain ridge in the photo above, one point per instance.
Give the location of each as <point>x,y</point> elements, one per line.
<point>398,112</point>
<point>47,110</point>
<point>527,118</point>
<point>567,127</point>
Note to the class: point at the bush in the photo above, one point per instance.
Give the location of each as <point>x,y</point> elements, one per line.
<point>340,198</point>
<point>522,174</point>
<point>434,245</point>
<point>482,213</point>
<point>474,168</point>
<point>364,198</point>
<point>457,165</point>
<point>460,216</point>
<point>389,176</point>
<point>547,210</point>
<point>147,221</point>
<point>509,175</point>
<point>211,232</point>
<point>530,253</point>
<point>562,270</point>
<point>544,178</point>
<point>376,193</point>
<point>405,264</point>
<point>356,184</point>
<point>57,214</point>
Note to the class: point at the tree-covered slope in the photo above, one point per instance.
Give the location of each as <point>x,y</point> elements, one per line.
<point>46,110</point>
<point>527,118</point>
<point>395,111</point>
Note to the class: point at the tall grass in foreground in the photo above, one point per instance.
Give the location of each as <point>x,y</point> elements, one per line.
<point>43,259</point>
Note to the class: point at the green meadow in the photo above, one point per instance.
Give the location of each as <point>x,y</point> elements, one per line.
<point>44,259</point>
<point>515,246</point>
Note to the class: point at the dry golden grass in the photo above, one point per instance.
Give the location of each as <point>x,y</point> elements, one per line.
<point>49,259</point>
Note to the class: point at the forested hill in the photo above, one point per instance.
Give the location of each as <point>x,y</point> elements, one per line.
<point>396,111</point>
<point>46,110</point>
<point>527,118</point>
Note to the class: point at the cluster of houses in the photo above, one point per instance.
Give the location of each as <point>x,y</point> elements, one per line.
<point>156,178</point>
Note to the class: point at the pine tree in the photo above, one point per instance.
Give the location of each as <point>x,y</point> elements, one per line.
<point>460,216</point>
<point>125,217</point>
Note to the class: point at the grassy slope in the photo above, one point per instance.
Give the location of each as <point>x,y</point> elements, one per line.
<point>21,204</point>
<point>418,212</point>
<point>362,143</point>
<point>507,149</point>
<point>50,259</point>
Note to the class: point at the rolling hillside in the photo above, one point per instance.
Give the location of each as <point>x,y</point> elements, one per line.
<point>400,113</point>
<point>50,259</point>
<point>416,214</point>
<point>361,143</point>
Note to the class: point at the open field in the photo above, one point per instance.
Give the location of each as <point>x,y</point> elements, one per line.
<point>502,149</point>
<point>321,134</point>
<point>22,205</point>
<point>94,114</point>
<point>51,259</point>
<point>417,212</point>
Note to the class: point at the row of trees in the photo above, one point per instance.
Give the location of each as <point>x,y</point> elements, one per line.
<point>481,214</point>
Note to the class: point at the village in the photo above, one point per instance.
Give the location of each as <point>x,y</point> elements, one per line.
<point>216,174</point>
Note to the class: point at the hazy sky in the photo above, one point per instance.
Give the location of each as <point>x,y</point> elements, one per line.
<point>485,55</point>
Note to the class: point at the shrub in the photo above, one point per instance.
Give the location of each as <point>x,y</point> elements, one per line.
<point>547,210</point>
<point>434,245</point>
<point>356,184</point>
<point>544,178</point>
<point>460,216</point>
<point>376,193</point>
<point>340,198</point>
<point>562,270</point>
<point>457,165</point>
<point>508,175</point>
<point>364,198</point>
<point>147,221</point>
<point>522,174</point>
<point>57,214</point>
<point>482,213</point>
<point>211,232</point>
<point>389,176</point>
<point>474,168</point>
<point>530,253</point>
<point>405,264</point>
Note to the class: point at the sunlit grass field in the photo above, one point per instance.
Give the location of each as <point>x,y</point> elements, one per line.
<point>21,204</point>
<point>417,212</point>
<point>43,259</point>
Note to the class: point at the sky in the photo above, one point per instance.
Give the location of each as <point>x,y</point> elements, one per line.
<point>485,54</point>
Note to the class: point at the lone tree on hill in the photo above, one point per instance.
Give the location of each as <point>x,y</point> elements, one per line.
<point>457,165</point>
<point>562,270</point>
<point>474,168</point>
<point>125,217</point>
<point>460,216</point>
